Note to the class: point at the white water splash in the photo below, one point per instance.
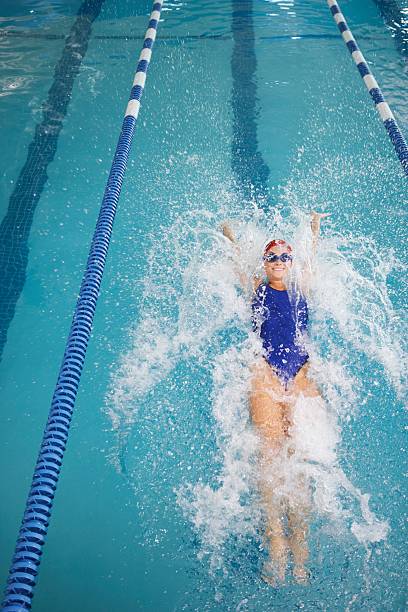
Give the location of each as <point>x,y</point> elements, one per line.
<point>196,295</point>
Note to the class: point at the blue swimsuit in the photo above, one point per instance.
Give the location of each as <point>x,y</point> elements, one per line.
<point>281,324</point>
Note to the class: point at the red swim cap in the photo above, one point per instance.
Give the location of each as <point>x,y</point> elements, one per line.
<point>280,243</point>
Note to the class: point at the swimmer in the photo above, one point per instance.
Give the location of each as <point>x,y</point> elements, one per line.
<point>280,375</point>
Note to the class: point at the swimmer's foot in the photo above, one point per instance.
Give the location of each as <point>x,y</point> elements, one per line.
<point>301,574</point>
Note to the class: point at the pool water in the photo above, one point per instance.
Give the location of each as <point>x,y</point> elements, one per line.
<point>254,112</point>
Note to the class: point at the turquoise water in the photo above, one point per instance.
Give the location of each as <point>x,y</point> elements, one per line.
<point>126,531</point>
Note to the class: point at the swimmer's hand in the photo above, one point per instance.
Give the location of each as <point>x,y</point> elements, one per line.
<point>315,221</point>
<point>227,231</point>
<point>308,272</point>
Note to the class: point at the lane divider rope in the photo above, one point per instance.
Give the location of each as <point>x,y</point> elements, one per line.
<point>382,107</point>
<point>27,555</point>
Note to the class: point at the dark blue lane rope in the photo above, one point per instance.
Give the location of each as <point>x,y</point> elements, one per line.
<point>33,530</point>
<point>376,94</point>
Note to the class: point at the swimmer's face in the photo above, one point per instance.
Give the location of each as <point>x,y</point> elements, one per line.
<point>277,270</point>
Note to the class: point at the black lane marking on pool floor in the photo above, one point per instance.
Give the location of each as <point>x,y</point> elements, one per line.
<point>247,163</point>
<point>396,21</point>
<point>16,225</point>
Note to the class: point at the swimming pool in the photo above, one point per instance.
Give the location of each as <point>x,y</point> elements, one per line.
<point>249,103</point>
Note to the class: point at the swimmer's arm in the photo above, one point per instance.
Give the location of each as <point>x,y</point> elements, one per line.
<point>307,274</point>
<point>315,226</point>
<point>243,277</point>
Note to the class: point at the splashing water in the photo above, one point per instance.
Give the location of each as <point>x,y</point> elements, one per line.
<point>194,311</point>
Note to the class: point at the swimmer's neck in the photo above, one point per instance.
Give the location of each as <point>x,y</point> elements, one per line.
<point>278,285</point>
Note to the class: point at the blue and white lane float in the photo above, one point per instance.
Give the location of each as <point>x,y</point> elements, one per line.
<point>27,555</point>
<point>382,107</point>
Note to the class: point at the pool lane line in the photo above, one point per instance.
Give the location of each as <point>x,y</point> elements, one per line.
<point>27,556</point>
<point>375,92</point>
<point>15,227</point>
<point>248,165</point>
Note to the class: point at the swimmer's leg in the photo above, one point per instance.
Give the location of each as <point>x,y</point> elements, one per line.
<point>274,568</point>
<point>299,528</point>
<point>303,384</point>
<point>267,406</point>
<point>298,514</point>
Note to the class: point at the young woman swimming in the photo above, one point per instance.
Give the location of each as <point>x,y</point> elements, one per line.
<point>279,376</point>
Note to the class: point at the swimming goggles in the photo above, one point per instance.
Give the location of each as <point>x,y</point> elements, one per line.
<point>272,257</point>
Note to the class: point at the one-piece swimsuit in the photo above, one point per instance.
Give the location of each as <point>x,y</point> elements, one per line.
<point>281,323</point>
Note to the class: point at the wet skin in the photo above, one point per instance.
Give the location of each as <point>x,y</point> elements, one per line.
<point>271,405</point>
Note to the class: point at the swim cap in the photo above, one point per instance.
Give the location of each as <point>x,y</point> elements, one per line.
<point>274,243</point>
